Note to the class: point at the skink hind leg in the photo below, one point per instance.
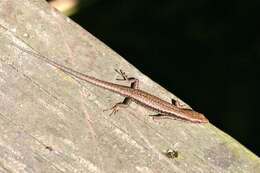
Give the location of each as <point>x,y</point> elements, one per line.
<point>124,104</point>
<point>162,116</point>
<point>134,83</point>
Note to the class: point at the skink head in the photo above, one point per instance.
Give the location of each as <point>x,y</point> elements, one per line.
<point>197,117</point>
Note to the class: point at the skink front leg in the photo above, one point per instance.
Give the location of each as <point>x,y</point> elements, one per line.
<point>134,83</point>
<point>124,104</point>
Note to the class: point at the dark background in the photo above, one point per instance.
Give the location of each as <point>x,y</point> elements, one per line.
<point>205,51</point>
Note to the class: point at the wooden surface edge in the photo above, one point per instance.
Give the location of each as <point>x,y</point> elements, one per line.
<point>51,122</point>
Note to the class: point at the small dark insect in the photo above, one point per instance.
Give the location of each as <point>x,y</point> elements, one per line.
<point>49,148</point>
<point>171,154</point>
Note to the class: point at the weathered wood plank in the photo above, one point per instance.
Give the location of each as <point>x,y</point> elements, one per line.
<point>51,122</point>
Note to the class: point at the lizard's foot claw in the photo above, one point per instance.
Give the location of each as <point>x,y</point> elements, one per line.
<point>156,118</point>
<point>122,74</point>
<point>114,110</point>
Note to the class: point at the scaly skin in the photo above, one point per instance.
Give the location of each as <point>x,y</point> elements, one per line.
<point>165,109</point>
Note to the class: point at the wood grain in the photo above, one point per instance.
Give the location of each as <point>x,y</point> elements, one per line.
<point>51,122</point>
